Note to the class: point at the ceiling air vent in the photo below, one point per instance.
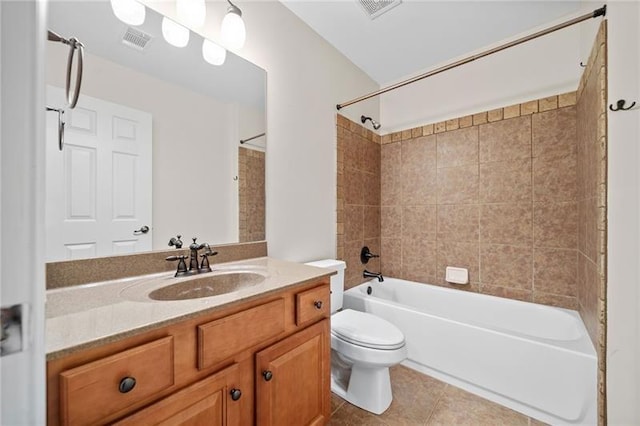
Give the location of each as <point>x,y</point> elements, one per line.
<point>136,39</point>
<point>375,8</point>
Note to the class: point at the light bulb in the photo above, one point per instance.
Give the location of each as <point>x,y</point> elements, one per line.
<point>233,32</point>
<point>174,33</point>
<point>213,53</point>
<point>129,11</point>
<point>191,12</point>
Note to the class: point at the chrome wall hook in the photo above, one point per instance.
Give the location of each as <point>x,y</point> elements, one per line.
<point>620,106</point>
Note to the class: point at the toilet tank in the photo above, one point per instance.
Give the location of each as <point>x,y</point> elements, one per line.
<point>337,281</point>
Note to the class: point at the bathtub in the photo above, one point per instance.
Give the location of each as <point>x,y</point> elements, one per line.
<point>535,359</point>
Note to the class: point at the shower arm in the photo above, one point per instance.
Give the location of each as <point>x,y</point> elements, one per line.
<point>597,12</point>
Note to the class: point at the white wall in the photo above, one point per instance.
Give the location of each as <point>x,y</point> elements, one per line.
<point>623,291</point>
<point>194,148</point>
<point>542,67</point>
<point>306,78</point>
<point>251,122</point>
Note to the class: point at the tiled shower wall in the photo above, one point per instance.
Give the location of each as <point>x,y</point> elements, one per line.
<point>592,202</point>
<point>358,215</point>
<point>494,193</point>
<point>251,195</point>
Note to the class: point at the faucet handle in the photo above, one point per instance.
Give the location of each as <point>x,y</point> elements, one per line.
<point>182,266</point>
<point>204,265</point>
<point>176,241</point>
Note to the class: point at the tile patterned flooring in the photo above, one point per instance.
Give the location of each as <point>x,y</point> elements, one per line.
<point>419,399</point>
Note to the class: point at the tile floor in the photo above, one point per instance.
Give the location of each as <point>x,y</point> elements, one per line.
<point>422,400</point>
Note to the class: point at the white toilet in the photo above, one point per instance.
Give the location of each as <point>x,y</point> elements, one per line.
<point>363,347</point>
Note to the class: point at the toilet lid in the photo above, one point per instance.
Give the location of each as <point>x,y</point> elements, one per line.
<point>364,329</point>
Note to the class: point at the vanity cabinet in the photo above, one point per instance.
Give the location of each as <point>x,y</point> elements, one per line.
<point>210,369</point>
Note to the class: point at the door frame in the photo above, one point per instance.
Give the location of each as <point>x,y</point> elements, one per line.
<point>22,155</point>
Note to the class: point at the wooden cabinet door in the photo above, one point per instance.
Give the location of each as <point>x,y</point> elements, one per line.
<point>293,379</point>
<point>213,401</point>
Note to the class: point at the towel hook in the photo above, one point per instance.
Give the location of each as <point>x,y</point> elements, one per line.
<point>61,124</point>
<point>74,44</point>
<point>620,106</point>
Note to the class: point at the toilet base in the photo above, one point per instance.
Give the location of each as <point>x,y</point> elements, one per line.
<point>367,388</point>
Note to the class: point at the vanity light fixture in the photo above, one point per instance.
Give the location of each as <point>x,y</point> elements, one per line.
<point>233,31</point>
<point>191,12</point>
<point>129,11</point>
<point>175,34</point>
<point>213,53</point>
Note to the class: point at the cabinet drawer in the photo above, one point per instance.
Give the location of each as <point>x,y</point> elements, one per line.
<point>313,304</point>
<point>222,338</point>
<point>96,390</point>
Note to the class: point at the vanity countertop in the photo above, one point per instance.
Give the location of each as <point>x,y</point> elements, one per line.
<point>85,316</point>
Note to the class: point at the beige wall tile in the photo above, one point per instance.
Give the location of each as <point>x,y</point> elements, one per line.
<point>396,136</point>
<point>453,124</point>
<point>418,258</point>
<point>495,115</point>
<point>458,222</point>
<point>391,256</point>
<point>457,148</point>
<point>416,132</point>
<point>507,292</point>
<point>555,179</point>
<point>385,139</point>
<point>466,121</point>
<point>371,188</point>
<point>391,221</point>
<point>512,111</point>
<point>353,273</point>
<point>554,133</point>
<point>440,127</point>
<point>555,225</point>
<point>427,130</point>
<point>566,99</point>
<point>566,302</point>
<point>354,223</point>
<point>458,185</point>
<point>505,181</point>
<point>391,174</point>
<point>374,246</point>
<point>406,135</point>
<point>506,266</point>
<point>479,118</point>
<point>371,157</point>
<point>505,140</point>
<point>555,271</point>
<point>354,187</point>
<point>419,220</point>
<point>371,222</point>
<point>506,224</point>
<point>460,255</point>
<point>548,104</point>
<point>419,171</point>
<point>529,108</point>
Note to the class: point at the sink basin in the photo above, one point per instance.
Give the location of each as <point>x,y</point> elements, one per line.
<point>207,286</point>
<point>223,280</point>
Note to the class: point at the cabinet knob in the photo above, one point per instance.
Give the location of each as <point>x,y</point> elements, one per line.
<point>268,375</point>
<point>235,394</point>
<point>318,304</point>
<point>127,384</point>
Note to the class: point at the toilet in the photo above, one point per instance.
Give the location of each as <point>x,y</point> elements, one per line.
<point>363,347</point>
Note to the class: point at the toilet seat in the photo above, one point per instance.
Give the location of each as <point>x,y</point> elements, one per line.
<point>367,330</point>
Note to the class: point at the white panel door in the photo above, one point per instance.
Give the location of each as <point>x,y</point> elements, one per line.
<point>99,186</point>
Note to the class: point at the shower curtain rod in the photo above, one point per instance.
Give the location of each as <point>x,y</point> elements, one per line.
<point>242,141</point>
<point>597,12</point>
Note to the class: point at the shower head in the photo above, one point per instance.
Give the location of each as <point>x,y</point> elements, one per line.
<point>374,123</point>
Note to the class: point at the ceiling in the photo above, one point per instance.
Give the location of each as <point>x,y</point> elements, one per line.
<point>417,35</point>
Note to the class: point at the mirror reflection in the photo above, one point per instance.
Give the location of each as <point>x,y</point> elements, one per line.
<point>153,149</point>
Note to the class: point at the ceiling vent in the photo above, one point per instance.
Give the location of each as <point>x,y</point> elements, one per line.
<point>136,39</point>
<point>375,8</point>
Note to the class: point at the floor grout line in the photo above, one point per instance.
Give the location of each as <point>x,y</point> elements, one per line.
<point>433,410</point>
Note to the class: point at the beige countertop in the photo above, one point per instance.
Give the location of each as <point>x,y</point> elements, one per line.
<point>88,315</point>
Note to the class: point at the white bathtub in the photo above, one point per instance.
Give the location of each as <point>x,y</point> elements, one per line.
<point>535,359</point>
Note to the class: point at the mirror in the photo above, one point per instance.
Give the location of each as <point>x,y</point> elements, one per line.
<point>153,142</point>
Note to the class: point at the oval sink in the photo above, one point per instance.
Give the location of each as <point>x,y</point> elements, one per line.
<point>207,286</point>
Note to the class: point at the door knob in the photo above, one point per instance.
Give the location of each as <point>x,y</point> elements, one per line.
<point>235,394</point>
<point>142,230</point>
